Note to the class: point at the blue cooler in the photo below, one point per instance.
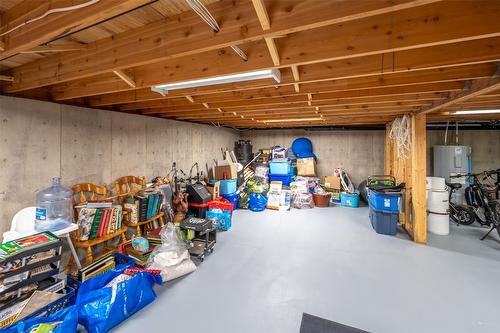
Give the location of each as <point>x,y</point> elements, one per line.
<point>227,186</point>
<point>279,167</point>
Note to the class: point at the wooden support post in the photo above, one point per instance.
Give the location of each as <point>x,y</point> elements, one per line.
<point>418,174</point>
<point>388,151</point>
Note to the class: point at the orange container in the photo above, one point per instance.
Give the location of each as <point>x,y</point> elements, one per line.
<point>322,200</point>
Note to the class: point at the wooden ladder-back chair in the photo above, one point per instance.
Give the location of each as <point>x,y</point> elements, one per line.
<point>83,193</point>
<point>128,187</point>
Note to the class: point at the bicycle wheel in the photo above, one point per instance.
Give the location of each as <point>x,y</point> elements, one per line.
<point>462,215</point>
<point>480,215</point>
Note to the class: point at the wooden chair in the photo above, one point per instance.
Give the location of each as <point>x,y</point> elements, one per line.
<point>128,186</point>
<point>83,193</point>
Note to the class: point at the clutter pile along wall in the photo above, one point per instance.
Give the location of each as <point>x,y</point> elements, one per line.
<point>361,153</point>
<point>41,140</point>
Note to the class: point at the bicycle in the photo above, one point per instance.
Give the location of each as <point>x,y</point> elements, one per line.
<point>482,199</point>
<point>459,213</point>
<point>473,197</point>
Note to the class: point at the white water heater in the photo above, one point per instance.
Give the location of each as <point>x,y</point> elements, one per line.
<point>452,160</point>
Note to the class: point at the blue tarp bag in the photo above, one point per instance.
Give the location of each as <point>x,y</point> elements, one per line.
<point>221,218</point>
<point>257,202</point>
<point>101,308</point>
<point>66,320</point>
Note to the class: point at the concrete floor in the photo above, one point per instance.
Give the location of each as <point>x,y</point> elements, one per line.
<point>273,266</point>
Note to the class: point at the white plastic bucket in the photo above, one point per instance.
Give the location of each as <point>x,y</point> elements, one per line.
<point>438,218</point>
<point>438,202</point>
<point>435,183</point>
<point>438,224</point>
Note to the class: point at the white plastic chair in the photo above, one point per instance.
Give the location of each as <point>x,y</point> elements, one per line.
<point>22,224</point>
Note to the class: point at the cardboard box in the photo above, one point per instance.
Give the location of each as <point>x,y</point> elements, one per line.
<point>225,170</point>
<point>306,166</point>
<point>333,182</point>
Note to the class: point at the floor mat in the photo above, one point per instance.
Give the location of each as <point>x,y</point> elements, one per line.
<point>313,324</point>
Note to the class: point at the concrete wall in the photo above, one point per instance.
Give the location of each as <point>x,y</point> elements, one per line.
<point>485,147</point>
<point>360,153</point>
<point>41,140</point>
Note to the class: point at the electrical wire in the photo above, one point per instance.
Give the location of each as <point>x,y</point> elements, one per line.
<point>47,13</point>
<point>205,15</point>
<point>401,134</point>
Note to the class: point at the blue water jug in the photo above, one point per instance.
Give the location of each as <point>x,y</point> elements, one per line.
<point>54,207</point>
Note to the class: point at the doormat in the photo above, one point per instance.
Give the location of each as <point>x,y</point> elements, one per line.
<point>313,324</point>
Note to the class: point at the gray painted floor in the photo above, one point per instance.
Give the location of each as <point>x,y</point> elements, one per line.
<point>273,266</point>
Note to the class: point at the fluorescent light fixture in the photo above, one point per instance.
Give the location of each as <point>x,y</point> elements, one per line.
<point>290,120</point>
<point>475,112</point>
<point>248,76</point>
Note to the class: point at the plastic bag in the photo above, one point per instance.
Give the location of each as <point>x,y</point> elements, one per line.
<point>100,309</point>
<point>66,320</point>
<point>243,202</point>
<point>171,257</point>
<point>302,200</point>
<point>259,187</point>
<point>220,218</point>
<point>172,264</point>
<point>257,202</point>
<point>261,171</point>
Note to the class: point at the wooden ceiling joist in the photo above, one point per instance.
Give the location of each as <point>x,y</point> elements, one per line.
<point>472,89</point>
<point>54,25</point>
<point>457,73</point>
<point>474,52</point>
<point>186,34</point>
<point>55,48</point>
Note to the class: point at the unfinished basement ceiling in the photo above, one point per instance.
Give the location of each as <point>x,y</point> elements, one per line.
<point>341,62</point>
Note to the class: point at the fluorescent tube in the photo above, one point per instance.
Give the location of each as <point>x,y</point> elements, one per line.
<point>475,112</point>
<point>248,76</point>
<point>290,120</point>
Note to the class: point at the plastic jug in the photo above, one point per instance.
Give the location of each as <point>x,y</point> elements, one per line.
<point>54,207</point>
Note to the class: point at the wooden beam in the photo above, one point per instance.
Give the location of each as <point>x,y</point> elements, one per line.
<point>357,72</point>
<point>472,89</point>
<point>126,78</point>
<point>7,78</point>
<point>418,174</point>
<point>165,40</point>
<point>464,53</point>
<point>54,25</point>
<point>273,51</point>
<point>296,87</point>
<point>190,98</point>
<point>260,9</point>
<point>55,48</point>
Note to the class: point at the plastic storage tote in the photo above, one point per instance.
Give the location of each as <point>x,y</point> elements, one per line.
<point>54,210</point>
<point>349,199</point>
<point>383,222</point>
<point>384,201</point>
<point>284,179</point>
<point>227,186</point>
<point>279,167</point>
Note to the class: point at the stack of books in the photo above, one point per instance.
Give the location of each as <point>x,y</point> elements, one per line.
<point>145,205</point>
<point>154,237</point>
<point>100,266</point>
<point>98,219</point>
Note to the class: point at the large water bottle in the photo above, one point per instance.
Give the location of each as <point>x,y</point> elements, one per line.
<point>54,207</point>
